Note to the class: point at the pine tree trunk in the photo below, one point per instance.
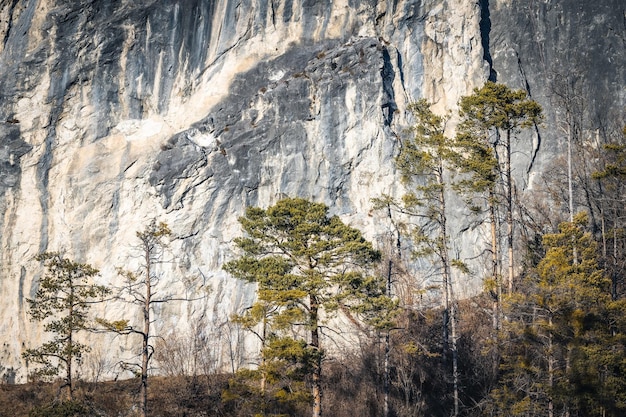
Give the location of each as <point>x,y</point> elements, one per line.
<point>449,310</point>
<point>264,370</point>
<point>495,260</point>
<point>70,341</point>
<point>386,376</point>
<point>317,367</point>
<point>497,304</point>
<point>145,352</point>
<point>509,210</point>
<point>550,371</point>
<point>455,359</point>
<point>450,322</point>
<point>442,242</point>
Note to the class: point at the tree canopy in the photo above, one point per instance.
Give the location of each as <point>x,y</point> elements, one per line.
<point>65,294</point>
<point>308,266</point>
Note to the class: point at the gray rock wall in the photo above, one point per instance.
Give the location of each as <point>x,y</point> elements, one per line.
<point>112,113</point>
<point>573,48</point>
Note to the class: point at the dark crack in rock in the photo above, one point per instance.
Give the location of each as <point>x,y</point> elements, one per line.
<point>271,111</point>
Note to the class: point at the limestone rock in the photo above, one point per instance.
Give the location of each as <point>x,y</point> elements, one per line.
<point>113,113</point>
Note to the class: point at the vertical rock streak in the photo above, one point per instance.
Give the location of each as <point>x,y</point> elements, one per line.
<point>485,37</point>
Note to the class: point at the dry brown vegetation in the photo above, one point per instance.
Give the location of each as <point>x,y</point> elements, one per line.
<point>352,383</point>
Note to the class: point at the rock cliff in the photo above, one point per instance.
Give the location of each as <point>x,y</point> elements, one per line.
<point>116,112</point>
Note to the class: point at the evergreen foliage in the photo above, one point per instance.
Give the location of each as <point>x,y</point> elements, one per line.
<point>491,118</point>
<point>63,300</point>
<point>556,347</point>
<point>426,162</point>
<point>496,106</point>
<point>563,349</point>
<point>308,267</point>
<point>279,387</point>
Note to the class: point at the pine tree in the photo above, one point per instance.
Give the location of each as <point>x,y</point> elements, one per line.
<point>308,267</point>
<point>63,300</point>
<point>424,162</point>
<point>501,112</point>
<point>477,161</point>
<point>564,344</point>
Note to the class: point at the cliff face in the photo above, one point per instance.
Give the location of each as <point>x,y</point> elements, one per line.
<point>112,114</point>
<point>562,52</point>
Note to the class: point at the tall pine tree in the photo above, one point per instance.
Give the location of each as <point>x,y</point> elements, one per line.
<point>425,163</point>
<point>308,267</point>
<point>66,293</point>
<point>499,114</point>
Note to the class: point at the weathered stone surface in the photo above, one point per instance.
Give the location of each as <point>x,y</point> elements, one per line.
<point>113,113</point>
<point>537,46</point>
